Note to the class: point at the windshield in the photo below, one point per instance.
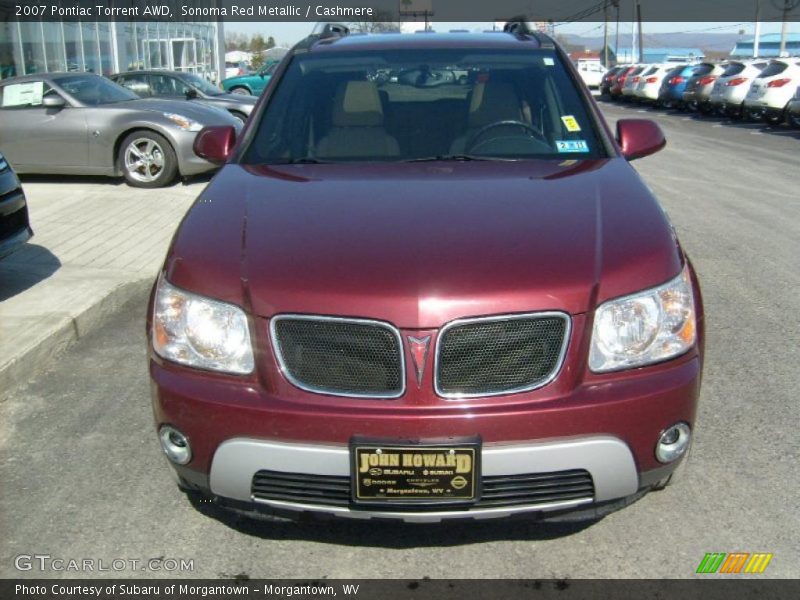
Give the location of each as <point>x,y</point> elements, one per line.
<point>203,85</point>
<point>403,105</point>
<point>94,90</point>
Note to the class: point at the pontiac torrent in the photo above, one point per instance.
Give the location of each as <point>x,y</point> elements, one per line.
<point>426,284</point>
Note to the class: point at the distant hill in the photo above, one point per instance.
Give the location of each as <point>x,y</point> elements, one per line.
<point>715,42</point>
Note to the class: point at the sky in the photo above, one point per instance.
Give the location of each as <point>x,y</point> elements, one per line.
<point>287,33</point>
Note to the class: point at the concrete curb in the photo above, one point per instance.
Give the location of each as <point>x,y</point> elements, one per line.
<point>69,330</point>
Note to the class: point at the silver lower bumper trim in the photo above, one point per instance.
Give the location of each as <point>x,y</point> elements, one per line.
<point>422,517</point>
<point>608,459</point>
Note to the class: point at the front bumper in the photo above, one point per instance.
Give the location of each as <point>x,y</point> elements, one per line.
<point>608,460</point>
<point>188,162</point>
<point>607,426</point>
<point>15,227</point>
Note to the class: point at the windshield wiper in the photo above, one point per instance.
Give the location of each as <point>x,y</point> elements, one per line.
<point>449,157</point>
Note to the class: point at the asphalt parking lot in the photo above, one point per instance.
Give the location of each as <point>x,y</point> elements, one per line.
<point>82,475</point>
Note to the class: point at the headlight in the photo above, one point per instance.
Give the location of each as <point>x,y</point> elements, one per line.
<point>644,328</point>
<point>3,163</point>
<point>184,122</point>
<point>200,332</point>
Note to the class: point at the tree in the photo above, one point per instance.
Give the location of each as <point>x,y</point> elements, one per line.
<point>381,22</point>
<point>257,44</point>
<point>236,41</point>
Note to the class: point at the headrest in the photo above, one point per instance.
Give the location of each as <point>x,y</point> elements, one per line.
<point>357,104</point>
<point>492,102</point>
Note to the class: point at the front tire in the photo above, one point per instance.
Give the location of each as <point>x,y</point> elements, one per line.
<point>241,116</point>
<point>243,91</point>
<point>147,160</point>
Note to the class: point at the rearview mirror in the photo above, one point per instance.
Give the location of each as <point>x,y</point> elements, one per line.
<point>215,143</point>
<point>53,101</point>
<point>639,137</point>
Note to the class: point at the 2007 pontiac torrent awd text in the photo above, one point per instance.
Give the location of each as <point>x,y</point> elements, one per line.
<point>426,284</point>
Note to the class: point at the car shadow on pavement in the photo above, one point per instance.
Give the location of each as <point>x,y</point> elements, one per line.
<point>109,181</point>
<point>26,178</point>
<point>25,268</point>
<point>391,534</point>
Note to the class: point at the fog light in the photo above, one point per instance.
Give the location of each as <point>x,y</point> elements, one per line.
<point>175,445</point>
<point>673,442</point>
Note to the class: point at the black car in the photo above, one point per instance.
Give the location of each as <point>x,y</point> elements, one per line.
<point>15,229</point>
<point>177,85</point>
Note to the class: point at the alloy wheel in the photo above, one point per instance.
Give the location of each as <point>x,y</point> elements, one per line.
<point>144,160</point>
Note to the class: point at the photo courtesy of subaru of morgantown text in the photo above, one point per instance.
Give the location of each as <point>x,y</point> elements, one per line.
<point>426,284</point>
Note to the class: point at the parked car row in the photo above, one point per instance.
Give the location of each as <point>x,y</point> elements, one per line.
<point>757,90</point>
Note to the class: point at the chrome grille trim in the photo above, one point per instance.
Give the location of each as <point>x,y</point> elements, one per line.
<point>299,384</point>
<point>494,318</point>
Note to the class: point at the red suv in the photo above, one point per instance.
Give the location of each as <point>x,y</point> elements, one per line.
<point>426,284</point>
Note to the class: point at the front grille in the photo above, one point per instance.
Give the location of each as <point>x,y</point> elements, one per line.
<point>500,355</point>
<point>344,357</point>
<point>497,491</point>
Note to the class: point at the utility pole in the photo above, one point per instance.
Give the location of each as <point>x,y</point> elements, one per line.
<point>641,33</point>
<point>758,29</point>
<point>616,42</point>
<point>633,36</point>
<point>788,5</point>
<point>605,34</point>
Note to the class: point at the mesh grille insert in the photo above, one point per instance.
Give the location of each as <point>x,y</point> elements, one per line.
<point>351,358</point>
<point>500,356</point>
<point>498,490</point>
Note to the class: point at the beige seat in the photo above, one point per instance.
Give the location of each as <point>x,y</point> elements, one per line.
<point>490,103</point>
<point>357,128</point>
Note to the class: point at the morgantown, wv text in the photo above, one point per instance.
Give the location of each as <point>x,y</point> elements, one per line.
<point>182,590</point>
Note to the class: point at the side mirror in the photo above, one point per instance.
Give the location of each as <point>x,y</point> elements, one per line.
<point>53,101</point>
<point>191,94</point>
<point>215,143</point>
<point>639,137</point>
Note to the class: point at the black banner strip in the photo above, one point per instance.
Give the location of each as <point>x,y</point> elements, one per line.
<point>557,11</point>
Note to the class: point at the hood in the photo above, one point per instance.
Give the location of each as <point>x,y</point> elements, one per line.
<point>236,98</point>
<point>421,244</point>
<point>202,113</point>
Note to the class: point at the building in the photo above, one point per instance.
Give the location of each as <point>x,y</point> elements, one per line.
<point>102,47</point>
<point>654,55</point>
<point>769,46</point>
<point>584,56</point>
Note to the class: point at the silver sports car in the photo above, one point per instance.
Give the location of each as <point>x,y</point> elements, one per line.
<point>82,123</point>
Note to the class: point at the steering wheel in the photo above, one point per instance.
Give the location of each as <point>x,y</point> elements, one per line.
<point>507,123</point>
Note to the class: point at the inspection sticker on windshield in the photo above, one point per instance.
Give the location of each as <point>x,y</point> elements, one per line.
<point>571,123</point>
<point>548,61</point>
<point>571,146</point>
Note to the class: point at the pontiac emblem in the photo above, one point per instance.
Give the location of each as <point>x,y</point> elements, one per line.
<point>419,354</point>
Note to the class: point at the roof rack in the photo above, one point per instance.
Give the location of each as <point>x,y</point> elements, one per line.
<point>322,31</point>
<point>519,26</point>
<point>328,30</point>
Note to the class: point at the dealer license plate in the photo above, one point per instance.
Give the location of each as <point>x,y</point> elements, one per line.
<point>417,474</point>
